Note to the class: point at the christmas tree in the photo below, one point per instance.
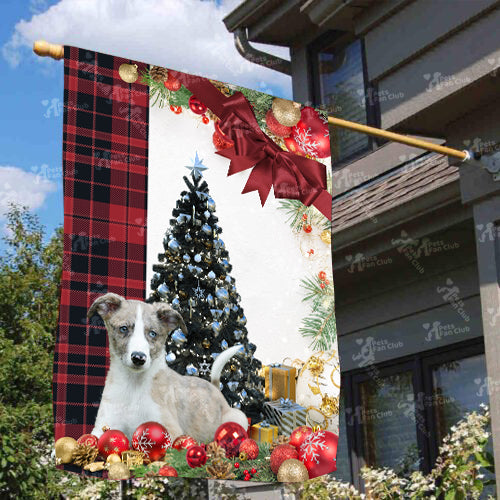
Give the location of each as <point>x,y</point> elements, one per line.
<point>193,275</point>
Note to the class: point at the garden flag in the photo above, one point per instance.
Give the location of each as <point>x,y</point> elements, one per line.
<point>197,332</point>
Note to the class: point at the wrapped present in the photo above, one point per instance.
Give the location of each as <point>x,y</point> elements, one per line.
<point>280,381</point>
<point>264,432</point>
<point>286,414</point>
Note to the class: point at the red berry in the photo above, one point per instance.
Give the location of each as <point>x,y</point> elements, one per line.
<point>327,282</point>
<point>253,471</point>
<point>307,228</point>
<point>322,275</point>
<point>322,285</point>
<point>245,472</point>
<point>205,119</point>
<point>304,217</point>
<point>237,465</point>
<point>176,109</point>
<point>246,478</point>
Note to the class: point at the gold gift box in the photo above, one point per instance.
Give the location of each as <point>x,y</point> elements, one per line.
<point>279,381</point>
<point>266,434</point>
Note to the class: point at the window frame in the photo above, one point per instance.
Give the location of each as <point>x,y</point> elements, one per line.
<point>420,364</point>
<point>338,39</point>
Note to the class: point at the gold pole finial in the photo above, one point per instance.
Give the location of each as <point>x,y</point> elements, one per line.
<point>43,48</point>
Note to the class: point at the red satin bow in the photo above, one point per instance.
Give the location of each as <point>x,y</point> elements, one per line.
<point>290,175</point>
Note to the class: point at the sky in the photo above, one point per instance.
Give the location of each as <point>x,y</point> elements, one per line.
<point>186,35</point>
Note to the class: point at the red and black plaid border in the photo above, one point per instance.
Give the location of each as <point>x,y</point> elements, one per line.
<point>105,163</point>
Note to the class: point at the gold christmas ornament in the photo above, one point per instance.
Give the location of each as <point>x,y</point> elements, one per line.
<point>315,365</point>
<point>326,237</point>
<point>84,454</point>
<point>113,459</point>
<point>329,406</point>
<point>158,74</point>
<point>128,72</point>
<point>65,448</point>
<point>133,458</point>
<point>95,466</point>
<point>292,471</point>
<point>243,456</point>
<point>118,470</point>
<point>286,112</point>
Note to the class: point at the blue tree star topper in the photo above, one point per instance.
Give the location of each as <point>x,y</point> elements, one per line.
<point>197,167</point>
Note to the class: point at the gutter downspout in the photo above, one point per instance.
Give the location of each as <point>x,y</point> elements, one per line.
<point>257,56</point>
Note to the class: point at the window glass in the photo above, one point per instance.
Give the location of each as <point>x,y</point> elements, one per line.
<point>389,427</point>
<point>459,387</point>
<point>343,472</point>
<point>342,90</point>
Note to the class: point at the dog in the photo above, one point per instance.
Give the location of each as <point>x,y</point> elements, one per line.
<point>140,387</point>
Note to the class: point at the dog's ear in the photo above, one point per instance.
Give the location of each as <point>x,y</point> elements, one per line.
<point>169,316</point>
<point>105,305</point>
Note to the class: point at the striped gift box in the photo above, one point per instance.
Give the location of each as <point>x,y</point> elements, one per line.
<point>286,414</point>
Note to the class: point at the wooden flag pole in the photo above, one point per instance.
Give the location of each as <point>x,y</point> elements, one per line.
<point>392,136</point>
<point>45,49</point>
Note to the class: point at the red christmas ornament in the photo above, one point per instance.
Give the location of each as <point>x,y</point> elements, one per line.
<point>322,275</point>
<point>152,439</point>
<point>88,440</point>
<point>319,453</point>
<point>299,434</point>
<point>196,456</point>
<point>168,471</point>
<point>307,228</point>
<point>171,83</point>
<point>230,435</point>
<point>281,453</point>
<point>112,441</point>
<point>205,119</point>
<point>176,109</point>
<point>275,126</point>
<point>292,146</point>
<point>220,140</point>
<point>250,447</point>
<point>196,106</point>
<point>183,442</point>
<point>311,134</point>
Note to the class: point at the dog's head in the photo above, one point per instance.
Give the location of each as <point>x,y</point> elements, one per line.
<point>137,331</point>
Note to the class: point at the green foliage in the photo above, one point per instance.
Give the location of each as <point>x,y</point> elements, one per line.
<point>320,324</point>
<point>295,211</point>
<point>160,96</point>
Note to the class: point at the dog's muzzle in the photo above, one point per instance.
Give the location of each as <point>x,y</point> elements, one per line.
<point>138,358</point>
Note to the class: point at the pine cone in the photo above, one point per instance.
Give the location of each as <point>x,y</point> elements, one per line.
<point>222,87</point>
<point>278,441</point>
<point>84,455</point>
<point>215,451</point>
<point>220,470</point>
<point>158,74</point>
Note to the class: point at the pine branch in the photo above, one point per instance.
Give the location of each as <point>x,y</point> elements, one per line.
<point>320,327</point>
<point>295,210</point>
<point>161,96</point>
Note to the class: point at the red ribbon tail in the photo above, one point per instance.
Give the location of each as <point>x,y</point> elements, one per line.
<point>323,203</point>
<point>261,180</point>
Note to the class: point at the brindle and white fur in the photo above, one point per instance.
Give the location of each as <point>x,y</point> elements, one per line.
<point>140,387</point>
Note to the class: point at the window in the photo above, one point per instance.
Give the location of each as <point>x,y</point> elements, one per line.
<point>397,413</point>
<point>339,85</point>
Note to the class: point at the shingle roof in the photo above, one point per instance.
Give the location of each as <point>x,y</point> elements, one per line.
<point>403,184</point>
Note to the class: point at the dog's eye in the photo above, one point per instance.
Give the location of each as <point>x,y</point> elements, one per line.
<point>124,329</point>
<point>152,334</point>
